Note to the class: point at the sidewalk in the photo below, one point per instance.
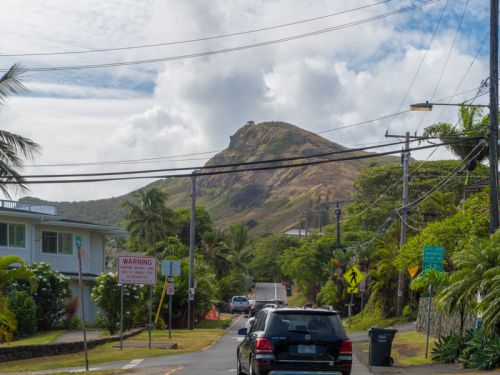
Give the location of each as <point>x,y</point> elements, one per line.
<point>74,336</point>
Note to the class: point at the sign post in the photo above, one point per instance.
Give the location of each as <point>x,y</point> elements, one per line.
<point>138,270</point>
<point>121,316</point>
<point>353,277</point>
<point>433,260</point>
<point>170,268</point>
<point>78,244</point>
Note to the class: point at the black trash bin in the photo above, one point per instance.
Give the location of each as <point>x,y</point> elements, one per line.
<point>381,345</point>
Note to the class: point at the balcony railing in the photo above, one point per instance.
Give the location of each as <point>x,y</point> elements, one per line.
<point>29,207</point>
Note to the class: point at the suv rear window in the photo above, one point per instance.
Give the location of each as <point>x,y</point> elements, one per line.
<point>239,299</point>
<point>306,323</point>
<point>260,304</point>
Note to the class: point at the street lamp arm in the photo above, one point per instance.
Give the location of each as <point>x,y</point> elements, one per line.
<point>426,106</point>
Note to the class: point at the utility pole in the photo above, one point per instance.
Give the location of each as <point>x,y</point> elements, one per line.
<point>307,222</point>
<point>404,212</point>
<point>338,213</point>
<point>493,136</point>
<point>191,253</point>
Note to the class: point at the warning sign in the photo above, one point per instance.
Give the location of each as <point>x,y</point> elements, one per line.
<point>413,270</point>
<point>136,270</point>
<point>353,276</point>
<point>352,290</point>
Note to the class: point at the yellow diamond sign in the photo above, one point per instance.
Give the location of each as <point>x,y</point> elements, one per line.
<point>413,271</point>
<point>353,276</point>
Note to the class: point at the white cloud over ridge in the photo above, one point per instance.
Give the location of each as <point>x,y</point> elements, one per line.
<point>194,105</point>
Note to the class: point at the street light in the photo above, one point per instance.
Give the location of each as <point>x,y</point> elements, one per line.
<point>493,126</point>
<point>427,107</point>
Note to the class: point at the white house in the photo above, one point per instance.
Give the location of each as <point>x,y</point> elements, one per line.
<point>37,233</point>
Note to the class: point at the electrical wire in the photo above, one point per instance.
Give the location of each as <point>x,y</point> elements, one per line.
<point>95,50</point>
<point>443,69</point>
<point>421,61</point>
<point>214,173</point>
<point>213,166</point>
<point>447,179</point>
<point>234,49</point>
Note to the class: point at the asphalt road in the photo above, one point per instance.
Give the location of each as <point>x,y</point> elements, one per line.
<point>219,359</point>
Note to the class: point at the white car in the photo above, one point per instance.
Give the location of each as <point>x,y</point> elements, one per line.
<point>239,304</point>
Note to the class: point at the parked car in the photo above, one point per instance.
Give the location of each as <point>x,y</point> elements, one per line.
<point>257,306</point>
<point>239,304</point>
<point>294,341</point>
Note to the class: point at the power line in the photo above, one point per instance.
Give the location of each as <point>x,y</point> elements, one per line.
<point>441,75</point>
<point>94,50</point>
<point>422,60</point>
<point>162,158</point>
<point>214,166</point>
<point>234,49</point>
<point>213,173</point>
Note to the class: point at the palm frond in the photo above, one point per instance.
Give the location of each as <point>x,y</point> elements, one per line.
<point>10,82</point>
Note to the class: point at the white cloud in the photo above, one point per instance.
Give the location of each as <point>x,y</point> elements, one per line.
<point>187,106</point>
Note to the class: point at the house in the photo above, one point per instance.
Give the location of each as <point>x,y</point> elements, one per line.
<point>36,233</point>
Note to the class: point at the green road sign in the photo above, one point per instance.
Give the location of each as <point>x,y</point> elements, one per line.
<point>433,258</point>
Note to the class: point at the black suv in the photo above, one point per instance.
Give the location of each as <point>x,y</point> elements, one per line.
<point>295,341</point>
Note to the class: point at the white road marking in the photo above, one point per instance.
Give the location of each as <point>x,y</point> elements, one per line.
<point>275,291</point>
<point>132,364</point>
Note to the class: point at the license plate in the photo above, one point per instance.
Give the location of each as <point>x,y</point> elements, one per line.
<point>306,349</point>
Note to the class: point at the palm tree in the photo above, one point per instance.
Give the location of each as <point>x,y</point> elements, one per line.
<point>13,147</point>
<point>477,274</point>
<point>471,123</point>
<point>238,243</point>
<point>213,249</point>
<point>8,322</point>
<point>149,219</point>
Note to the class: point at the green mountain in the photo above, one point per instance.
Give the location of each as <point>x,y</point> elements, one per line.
<point>267,201</point>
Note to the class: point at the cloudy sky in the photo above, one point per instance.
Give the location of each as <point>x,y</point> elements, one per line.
<point>341,76</point>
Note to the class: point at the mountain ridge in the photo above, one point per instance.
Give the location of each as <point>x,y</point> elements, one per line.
<point>266,201</point>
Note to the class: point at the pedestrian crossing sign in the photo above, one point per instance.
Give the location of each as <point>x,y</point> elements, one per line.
<point>353,276</point>
<point>352,290</point>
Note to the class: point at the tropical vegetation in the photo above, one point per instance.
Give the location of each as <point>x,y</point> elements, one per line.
<point>12,269</point>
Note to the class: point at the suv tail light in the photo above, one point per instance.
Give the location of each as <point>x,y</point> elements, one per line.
<point>263,345</point>
<point>345,347</point>
<point>345,354</point>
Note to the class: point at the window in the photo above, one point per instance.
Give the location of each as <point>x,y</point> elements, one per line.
<point>57,243</point>
<point>12,235</point>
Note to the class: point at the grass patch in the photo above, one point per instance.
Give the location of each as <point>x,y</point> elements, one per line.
<point>223,322</point>
<point>38,339</point>
<point>408,348</point>
<point>297,299</point>
<point>370,318</point>
<point>187,341</point>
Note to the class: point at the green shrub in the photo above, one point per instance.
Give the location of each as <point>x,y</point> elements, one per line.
<point>473,349</point>
<point>106,295</point>
<point>447,349</point>
<point>481,352</point>
<point>50,297</point>
<point>329,294</point>
<point>24,308</point>
<point>406,311</point>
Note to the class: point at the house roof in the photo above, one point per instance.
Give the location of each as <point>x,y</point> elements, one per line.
<point>56,220</point>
